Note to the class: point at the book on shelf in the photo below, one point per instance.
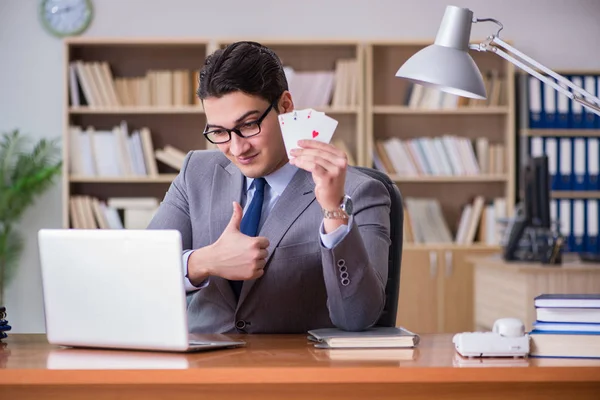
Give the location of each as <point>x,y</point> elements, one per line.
<point>171,156</point>
<point>447,155</point>
<point>421,97</point>
<point>424,222</point>
<point>92,84</point>
<point>567,325</point>
<point>338,88</point>
<point>88,212</point>
<point>116,152</point>
<point>375,337</point>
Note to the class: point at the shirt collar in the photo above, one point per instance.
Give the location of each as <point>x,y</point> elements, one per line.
<point>277,180</point>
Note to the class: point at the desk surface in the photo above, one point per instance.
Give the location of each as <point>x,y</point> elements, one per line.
<point>275,359</point>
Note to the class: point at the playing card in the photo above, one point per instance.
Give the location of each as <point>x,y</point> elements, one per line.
<point>306,124</point>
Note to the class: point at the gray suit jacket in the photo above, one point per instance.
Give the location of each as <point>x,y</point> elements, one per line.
<point>303,286</point>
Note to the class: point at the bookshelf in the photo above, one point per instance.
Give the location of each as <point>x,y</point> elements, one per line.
<point>128,86</point>
<point>553,125</point>
<point>392,113</point>
<point>436,293</point>
<point>146,87</point>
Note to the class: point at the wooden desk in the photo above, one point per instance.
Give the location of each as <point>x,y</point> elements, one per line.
<point>507,289</point>
<point>285,367</point>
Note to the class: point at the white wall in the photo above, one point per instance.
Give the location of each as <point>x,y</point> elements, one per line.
<point>559,33</point>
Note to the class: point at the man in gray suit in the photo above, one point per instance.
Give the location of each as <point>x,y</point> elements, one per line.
<point>273,245</point>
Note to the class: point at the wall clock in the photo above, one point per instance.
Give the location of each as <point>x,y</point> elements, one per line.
<point>66,17</point>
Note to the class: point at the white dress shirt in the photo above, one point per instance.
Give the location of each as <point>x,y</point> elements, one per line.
<point>276,184</point>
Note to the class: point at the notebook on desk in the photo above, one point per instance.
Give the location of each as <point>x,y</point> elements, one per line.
<point>376,337</point>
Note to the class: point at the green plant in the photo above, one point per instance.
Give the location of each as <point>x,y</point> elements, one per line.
<point>25,173</point>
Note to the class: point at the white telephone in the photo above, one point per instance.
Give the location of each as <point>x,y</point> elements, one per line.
<point>508,339</point>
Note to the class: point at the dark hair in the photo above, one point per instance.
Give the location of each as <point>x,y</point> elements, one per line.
<point>247,67</point>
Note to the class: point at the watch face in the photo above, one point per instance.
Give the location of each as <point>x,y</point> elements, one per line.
<point>66,17</point>
<point>348,205</point>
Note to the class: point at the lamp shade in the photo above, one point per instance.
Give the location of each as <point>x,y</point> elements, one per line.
<point>446,65</point>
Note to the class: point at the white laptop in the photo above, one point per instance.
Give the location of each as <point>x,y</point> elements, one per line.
<point>119,289</point>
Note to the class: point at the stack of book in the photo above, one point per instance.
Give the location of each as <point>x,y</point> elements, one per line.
<point>567,325</point>
<point>4,326</point>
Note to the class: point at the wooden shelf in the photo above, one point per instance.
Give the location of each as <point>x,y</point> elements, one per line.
<point>449,246</point>
<point>453,111</point>
<point>162,178</point>
<point>339,110</point>
<point>183,110</point>
<point>139,110</point>
<point>448,179</point>
<point>567,194</point>
<point>561,132</point>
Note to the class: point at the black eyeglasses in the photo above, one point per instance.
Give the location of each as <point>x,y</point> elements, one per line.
<point>244,130</point>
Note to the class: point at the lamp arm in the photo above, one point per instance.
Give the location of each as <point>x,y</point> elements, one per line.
<point>577,94</point>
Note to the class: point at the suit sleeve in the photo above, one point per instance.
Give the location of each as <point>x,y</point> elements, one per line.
<point>174,212</point>
<point>355,269</point>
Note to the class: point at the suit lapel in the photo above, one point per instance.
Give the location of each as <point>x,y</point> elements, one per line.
<point>291,204</point>
<point>226,187</point>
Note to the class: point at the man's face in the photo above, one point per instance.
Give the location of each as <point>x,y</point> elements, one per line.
<point>258,155</point>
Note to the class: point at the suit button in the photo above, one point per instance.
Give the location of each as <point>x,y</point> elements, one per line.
<point>341,262</point>
<point>345,282</point>
<point>240,324</point>
<point>344,275</point>
<point>343,268</point>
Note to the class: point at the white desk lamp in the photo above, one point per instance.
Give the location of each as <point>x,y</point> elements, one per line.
<point>447,65</point>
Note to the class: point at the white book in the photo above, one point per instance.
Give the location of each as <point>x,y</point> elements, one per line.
<point>125,161</point>
<point>433,158</point>
<point>73,86</point>
<point>112,216</point>
<point>463,225</point>
<point>76,163</point>
<point>419,156</point>
<point>142,203</point>
<point>444,160</point>
<point>87,152</point>
<point>138,218</point>
<point>106,153</point>
<point>450,144</point>
<point>140,159</point>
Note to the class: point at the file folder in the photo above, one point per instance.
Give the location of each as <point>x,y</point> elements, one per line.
<point>593,163</point>
<point>579,164</point>
<point>591,220</point>
<point>552,154</point>
<point>565,222</point>
<point>578,226</point>
<point>535,103</point>
<point>589,117</point>
<point>566,164</point>
<point>576,108</point>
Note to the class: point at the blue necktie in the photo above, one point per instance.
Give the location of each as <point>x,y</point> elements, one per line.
<point>250,221</point>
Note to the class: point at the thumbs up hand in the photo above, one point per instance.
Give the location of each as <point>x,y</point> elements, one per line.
<point>233,256</point>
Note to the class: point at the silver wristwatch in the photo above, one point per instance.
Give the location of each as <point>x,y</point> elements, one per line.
<point>343,212</point>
